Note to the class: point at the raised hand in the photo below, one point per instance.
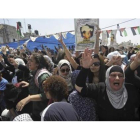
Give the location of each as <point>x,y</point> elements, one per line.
<point>137,58</point>
<point>61,39</point>
<point>115,59</point>
<point>98,32</point>
<point>87,60</point>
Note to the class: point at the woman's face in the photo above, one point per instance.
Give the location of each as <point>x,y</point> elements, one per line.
<point>103,49</point>
<point>32,63</point>
<point>64,70</point>
<point>96,65</point>
<point>116,80</point>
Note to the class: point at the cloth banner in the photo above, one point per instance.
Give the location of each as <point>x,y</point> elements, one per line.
<point>104,38</point>
<point>113,37</point>
<point>33,38</point>
<point>64,34</point>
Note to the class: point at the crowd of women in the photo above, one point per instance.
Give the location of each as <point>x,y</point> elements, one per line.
<point>102,84</point>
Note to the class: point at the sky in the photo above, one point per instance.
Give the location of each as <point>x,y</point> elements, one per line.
<point>50,26</point>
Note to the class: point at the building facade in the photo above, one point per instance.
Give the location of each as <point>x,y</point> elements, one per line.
<point>8,34</point>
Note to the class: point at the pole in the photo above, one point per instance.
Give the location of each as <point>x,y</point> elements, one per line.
<point>18,38</point>
<point>25,25</point>
<point>4,21</point>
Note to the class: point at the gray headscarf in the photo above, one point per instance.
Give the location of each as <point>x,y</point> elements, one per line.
<point>50,63</point>
<point>118,98</point>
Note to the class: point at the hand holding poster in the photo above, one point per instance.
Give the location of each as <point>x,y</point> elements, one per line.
<point>85,33</point>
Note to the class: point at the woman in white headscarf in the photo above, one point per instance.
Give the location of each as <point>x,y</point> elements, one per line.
<point>18,75</point>
<point>116,100</point>
<point>65,71</point>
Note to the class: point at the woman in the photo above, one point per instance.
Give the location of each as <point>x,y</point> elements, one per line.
<point>104,50</point>
<point>24,56</point>
<point>96,72</point>
<point>50,63</point>
<point>56,89</point>
<point>37,66</point>
<point>86,107</point>
<point>12,95</point>
<point>18,75</point>
<point>116,100</point>
<point>64,70</point>
<point>69,56</point>
<point>111,49</point>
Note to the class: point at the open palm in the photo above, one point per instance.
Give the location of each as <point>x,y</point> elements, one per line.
<point>137,58</point>
<point>87,60</point>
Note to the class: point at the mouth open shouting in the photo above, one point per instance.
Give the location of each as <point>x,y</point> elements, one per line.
<point>116,80</point>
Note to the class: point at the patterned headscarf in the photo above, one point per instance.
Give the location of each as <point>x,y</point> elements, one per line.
<point>23,117</point>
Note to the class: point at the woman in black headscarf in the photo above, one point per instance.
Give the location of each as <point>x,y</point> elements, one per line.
<point>116,100</point>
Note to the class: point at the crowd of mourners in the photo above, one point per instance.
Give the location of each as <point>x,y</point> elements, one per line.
<point>102,84</point>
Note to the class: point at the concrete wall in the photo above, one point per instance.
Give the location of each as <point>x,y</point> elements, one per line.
<point>7,33</point>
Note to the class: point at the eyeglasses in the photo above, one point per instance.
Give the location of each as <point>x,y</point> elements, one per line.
<point>114,76</point>
<point>65,70</point>
<point>96,64</point>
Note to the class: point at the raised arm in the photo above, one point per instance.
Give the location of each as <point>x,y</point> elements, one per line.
<point>129,72</point>
<point>96,50</point>
<point>25,47</point>
<point>19,66</point>
<point>85,89</point>
<point>87,61</point>
<point>68,54</point>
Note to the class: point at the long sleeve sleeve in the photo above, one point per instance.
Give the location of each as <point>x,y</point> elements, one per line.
<point>23,68</point>
<point>89,90</point>
<point>131,78</point>
<point>81,78</point>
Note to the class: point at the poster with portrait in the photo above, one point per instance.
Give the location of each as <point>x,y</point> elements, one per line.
<point>85,33</point>
<point>113,37</point>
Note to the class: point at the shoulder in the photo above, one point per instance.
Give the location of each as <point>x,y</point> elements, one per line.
<point>4,80</point>
<point>43,77</point>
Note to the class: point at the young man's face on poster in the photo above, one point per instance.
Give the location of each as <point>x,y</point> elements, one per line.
<point>87,34</point>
